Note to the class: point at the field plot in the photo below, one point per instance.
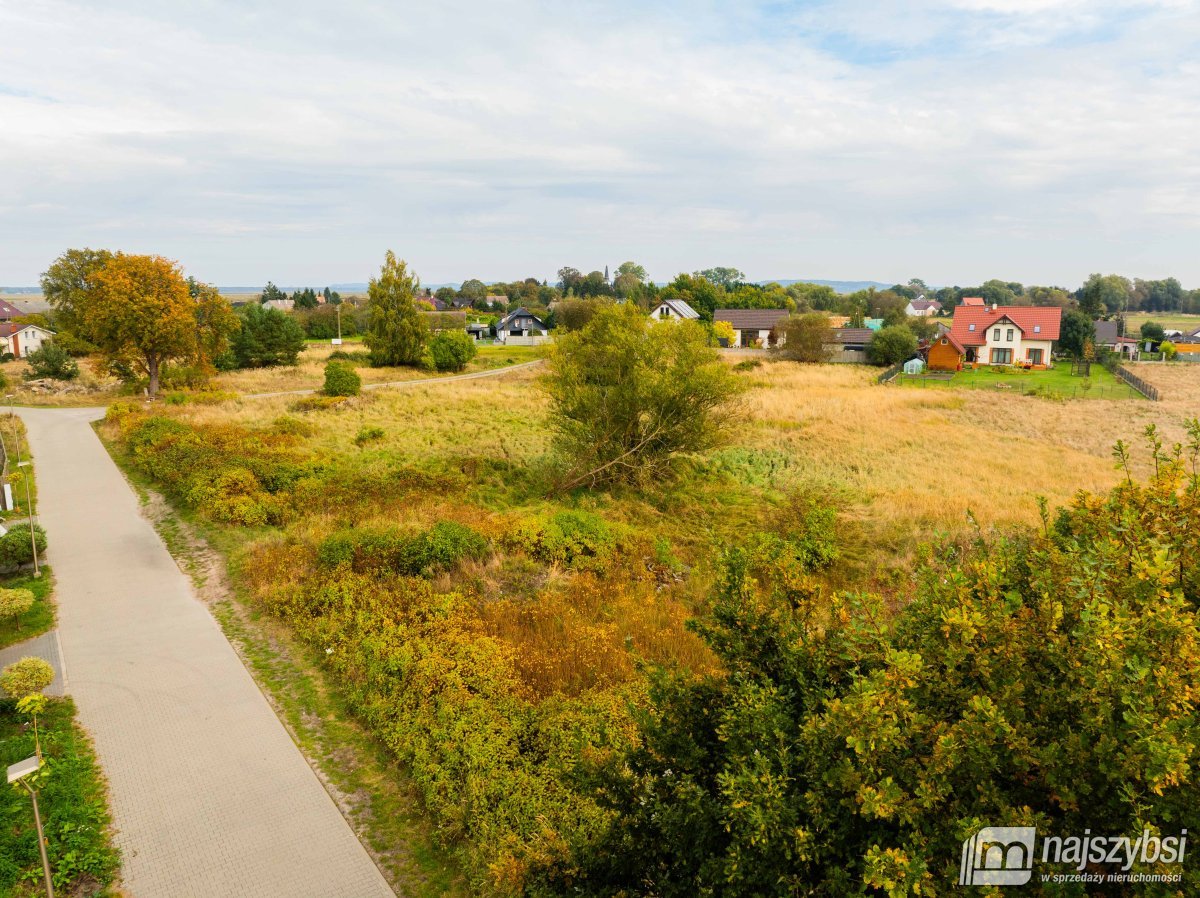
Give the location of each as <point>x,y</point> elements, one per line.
<point>1057,382</point>
<point>493,631</point>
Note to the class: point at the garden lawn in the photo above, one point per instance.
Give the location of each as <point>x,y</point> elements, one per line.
<point>37,620</point>
<point>1057,382</point>
<point>73,805</point>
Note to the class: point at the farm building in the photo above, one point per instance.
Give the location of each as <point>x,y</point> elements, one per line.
<point>1002,335</point>
<point>752,327</point>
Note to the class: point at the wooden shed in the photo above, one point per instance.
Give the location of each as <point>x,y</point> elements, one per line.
<point>945,354</point>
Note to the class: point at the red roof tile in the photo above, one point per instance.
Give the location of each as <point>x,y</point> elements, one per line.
<point>1036,323</point>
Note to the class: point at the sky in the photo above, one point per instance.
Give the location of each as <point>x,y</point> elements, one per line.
<point>952,140</point>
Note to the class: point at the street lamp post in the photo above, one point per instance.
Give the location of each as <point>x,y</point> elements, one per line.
<point>16,774</point>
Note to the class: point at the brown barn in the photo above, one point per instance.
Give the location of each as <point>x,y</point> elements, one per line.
<point>945,354</point>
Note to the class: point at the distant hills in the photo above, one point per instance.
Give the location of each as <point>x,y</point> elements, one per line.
<point>839,286</point>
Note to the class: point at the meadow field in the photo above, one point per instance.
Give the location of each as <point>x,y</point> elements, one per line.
<point>491,631</point>
<point>1169,320</point>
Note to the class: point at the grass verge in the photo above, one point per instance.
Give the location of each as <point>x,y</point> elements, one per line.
<point>73,803</point>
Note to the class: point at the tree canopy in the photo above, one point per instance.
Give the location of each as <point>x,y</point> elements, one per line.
<point>629,395</point>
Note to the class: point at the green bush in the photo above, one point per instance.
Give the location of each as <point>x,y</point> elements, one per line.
<point>16,547</point>
<point>402,552</point>
<point>748,365</point>
<point>51,360</point>
<point>368,435</point>
<point>577,539</point>
<point>341,380</point>
<point>451,350</point>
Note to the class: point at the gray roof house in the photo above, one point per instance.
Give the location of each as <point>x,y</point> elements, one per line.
<point>521,327</point>
<point>674,310</point>
<point>752,326</point>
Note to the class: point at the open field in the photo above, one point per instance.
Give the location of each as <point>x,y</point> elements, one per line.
<point>1056,382</point>
<point>309,373</point>
<point>490,675</point>
<point>1169,320</point>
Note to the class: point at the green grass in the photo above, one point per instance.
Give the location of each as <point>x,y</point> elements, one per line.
<point>73,804</point>
<point>1169,320</point>
<point>40,618</point>
<point>1057,382</point>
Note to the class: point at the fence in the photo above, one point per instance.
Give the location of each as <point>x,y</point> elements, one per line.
<point>890,373</point>
<point>1148,390</point>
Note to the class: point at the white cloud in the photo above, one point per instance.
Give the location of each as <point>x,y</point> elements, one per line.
<point>953,139</point>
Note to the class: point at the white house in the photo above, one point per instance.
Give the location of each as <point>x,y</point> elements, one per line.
<point>674,310</point>
<point>22,339</point>
<point>753,327</point>
<point>922,307</point>
<point>1005,335</point>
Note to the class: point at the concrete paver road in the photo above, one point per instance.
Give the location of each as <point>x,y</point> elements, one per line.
<point>210,796</point>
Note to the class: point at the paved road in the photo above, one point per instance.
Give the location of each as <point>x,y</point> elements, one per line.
<point>209,794</point>
<point>496,372</point>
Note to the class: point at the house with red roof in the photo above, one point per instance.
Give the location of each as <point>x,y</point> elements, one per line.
<point>972,301</point>
<point>997,335</point>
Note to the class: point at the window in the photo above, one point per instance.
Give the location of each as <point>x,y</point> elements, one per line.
<point>1037,328</point>
<point>971,327</point>
<point>1035,356</point>
<point>1001,356</point>
<point>996,335</point>
<point>1010,335</point>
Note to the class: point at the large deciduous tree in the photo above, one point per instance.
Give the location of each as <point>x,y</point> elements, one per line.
<point>66,283</point>
<point>891,345</point>
<point>629,395</point>
<point>140,313</point>
<point>396,333</point>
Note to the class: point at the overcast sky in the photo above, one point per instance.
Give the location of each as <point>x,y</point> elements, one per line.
<point>954,140</point>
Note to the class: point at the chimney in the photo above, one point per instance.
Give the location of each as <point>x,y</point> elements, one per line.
<point>993,307</point>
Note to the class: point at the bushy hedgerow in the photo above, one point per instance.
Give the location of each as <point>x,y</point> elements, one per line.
<point>402,552</point>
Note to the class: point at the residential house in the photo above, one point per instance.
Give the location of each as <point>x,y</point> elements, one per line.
<point>849,344</point>
<point>494,301</point>
<point>477,331</point>
<point>521,328</point>
<point>998,335</point>
<point>753,327</point>
<point>8,311</point>
<point>972,301</point>
<point>283,305</point>
<point>1107,336</point>
<point>922,307</point>
<point>674,310</point>
<point>22,339</point>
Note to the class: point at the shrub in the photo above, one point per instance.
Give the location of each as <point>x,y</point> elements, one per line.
<point>317,403</point>
<point>25,677</point>
<point>285,424</point>
<point>16,547</point>
<point>50,360</point>
<point>804,338</point>
<point>401,552</point>
<point>748,365</point>
<point>577,539</point>
<point>451,350</point>
<point>14,603</point>
<point>724,333</point>
<point>1168,349</point>
<point>341,380</point>
<point>368,435</point>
